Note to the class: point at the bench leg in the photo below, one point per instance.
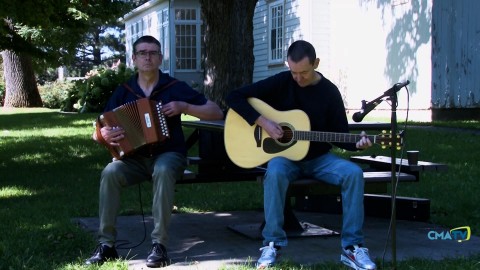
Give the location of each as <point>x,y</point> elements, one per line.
<point>291,222</point>
<point>292,226</point>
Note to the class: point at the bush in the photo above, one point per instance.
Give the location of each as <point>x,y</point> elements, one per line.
<point>54,93</point>
<point>72,97</point>
<point>2,94</point>
<point>94,92</point>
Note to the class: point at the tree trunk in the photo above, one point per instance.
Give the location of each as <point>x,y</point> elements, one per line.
<point>228,46</point>
<point>20,84</point>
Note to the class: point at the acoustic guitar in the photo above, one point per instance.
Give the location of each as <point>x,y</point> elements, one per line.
<point>250,146</point>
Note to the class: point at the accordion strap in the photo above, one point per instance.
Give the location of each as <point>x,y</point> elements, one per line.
<point>154,93</point>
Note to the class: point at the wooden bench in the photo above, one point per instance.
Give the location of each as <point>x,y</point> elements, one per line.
<point>213,165</point>
<point>212,171</point>
<point>375,182</point>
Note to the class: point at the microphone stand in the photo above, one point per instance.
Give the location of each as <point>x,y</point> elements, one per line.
<point>391,95</point>
<point>393,154</point>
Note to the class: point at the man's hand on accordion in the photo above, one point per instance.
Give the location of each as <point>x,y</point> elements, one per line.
<point>112,134</point>
<point>174,108</point>
<point>207,111</point>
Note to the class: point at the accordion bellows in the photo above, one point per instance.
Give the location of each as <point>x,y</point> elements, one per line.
<point>143,122</point>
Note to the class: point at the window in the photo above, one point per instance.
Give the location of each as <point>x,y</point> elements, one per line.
<point>275,27</point>
<point>188,34</point>
<point>136,31</point>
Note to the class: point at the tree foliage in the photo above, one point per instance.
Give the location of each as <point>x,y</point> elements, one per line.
<point>51,30</point>
<point>46,32</point>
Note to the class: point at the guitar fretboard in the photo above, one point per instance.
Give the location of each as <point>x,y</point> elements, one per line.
<point>318,136</point>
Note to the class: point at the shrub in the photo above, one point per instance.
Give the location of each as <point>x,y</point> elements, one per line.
<point>54,93</point>
<point>94,92</point>
<point>2,94</point>
<point>72,96</point>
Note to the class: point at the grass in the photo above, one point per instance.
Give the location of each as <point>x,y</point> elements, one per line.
<point>49,173</point>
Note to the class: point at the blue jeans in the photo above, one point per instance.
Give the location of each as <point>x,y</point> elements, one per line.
<point>328,168</point>
<point>162,170</point>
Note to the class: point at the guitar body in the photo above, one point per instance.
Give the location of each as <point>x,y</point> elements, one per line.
<point>250,146</point>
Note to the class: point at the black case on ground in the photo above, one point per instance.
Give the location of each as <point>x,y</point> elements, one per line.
<point>407,208</point>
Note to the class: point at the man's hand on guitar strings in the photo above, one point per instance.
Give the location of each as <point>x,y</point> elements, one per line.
<point>112,134</point>
<point>364,142</point>
<point>273,129</point>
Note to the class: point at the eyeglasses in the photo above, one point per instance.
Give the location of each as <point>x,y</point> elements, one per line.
<point>144,54</point>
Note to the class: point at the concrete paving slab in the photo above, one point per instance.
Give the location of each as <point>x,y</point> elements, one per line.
<point>204,241</point>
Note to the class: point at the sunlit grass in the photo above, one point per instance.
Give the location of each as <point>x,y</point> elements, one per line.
<point>50,167</point>
<point>8,111</point>
<point>12,191</point>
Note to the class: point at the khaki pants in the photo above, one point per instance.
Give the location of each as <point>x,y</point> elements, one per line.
<point>162,170</point>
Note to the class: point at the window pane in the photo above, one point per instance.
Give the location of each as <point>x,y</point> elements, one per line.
<point>186,46</point>
<point>276,32</point>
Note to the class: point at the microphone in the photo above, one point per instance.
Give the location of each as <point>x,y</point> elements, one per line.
<point>395,88</point>
<point>366,108</point>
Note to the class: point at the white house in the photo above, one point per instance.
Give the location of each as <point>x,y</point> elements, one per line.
<point>178,27</point>
<point>365,47</point>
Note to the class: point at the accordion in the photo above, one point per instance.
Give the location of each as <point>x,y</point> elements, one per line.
<point>143,122</point>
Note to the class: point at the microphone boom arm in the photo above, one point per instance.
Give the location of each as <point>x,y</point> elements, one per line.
<point>369,106</point>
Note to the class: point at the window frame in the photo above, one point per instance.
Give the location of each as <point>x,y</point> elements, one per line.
<point>276,55</point>
<point>197,49</point>
<point>163,19</point>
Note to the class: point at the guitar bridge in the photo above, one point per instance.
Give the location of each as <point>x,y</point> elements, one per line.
<point>257,134</point>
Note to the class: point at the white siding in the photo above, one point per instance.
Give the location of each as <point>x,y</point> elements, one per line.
<point>260,40</point>
<point>319,33</point>
<point>364,47</point>
<point>377,45</point>
<point>262,68</point>
<point>456,55</point>
<point>147,15</point>
<point>304,19</point>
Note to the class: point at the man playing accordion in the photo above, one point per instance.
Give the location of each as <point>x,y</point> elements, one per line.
<point>161,163</point>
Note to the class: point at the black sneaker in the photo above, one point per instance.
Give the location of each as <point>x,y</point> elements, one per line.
<point>158,256</point>
<point>102,254</point>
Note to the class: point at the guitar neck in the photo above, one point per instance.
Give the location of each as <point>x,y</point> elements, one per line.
<point>318,136</point>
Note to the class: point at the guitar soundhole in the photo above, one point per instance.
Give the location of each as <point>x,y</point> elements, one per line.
<point>287,135</point>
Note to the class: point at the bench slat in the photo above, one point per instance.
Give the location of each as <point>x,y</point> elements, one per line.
<point>370,177</point>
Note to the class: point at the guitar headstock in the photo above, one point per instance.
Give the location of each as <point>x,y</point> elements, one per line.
<point>386,139</point>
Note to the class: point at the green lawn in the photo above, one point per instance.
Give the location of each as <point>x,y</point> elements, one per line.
<point>49,173</point>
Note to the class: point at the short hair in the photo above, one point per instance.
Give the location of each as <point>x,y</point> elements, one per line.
<point>299,49</point>
<point>146,39</point>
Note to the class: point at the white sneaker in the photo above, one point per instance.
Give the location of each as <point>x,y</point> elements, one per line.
<point>357,259</point>
<point>268,257</point>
